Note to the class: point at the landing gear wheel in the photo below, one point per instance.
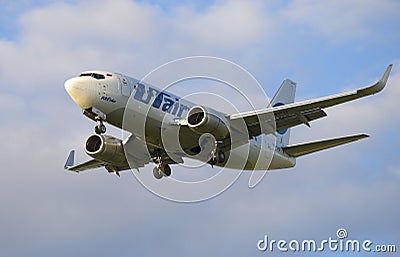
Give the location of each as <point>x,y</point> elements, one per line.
<point>103,128</point>
<point>220,157</point>
<point>166,170</point>
<point>213,161</point>
<point>157,173</point>
<point>100,129</point>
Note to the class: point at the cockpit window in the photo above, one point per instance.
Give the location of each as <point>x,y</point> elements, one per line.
<point>98,76</point>
<point>94,75</point>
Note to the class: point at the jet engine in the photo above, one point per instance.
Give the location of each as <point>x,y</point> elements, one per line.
<point>105,148</point>
<point>206,120</point>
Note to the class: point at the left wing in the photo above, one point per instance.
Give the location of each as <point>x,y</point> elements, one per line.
<point>294,114</point>
<point>91,164</point>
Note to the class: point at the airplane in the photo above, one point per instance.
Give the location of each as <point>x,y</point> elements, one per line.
<point>103,97</point>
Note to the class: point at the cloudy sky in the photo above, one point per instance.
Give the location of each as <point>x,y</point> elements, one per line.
<point>325,46</point>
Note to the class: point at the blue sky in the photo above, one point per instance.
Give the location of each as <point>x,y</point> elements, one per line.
<point>326,47</point>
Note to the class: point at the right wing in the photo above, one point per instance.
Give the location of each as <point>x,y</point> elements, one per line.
<point>91,164</point>
<point>294,114</point>
<point>137,155</point>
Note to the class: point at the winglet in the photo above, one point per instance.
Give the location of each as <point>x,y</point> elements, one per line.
<point>385,76</point>
<point>70,161</point>
<point>378,86</point>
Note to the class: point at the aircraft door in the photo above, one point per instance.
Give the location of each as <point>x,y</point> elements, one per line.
<point>125,88</point>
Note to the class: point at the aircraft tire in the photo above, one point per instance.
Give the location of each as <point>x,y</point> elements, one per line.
<point>157,173</point>
<point>100,129</point>
<point>220,157</point>
<point>166,170</point>
<point>212,161</point>
<point>103,128</point>
<point>97,130</point>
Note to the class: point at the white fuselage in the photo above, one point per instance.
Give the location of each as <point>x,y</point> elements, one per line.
<point>108,94</point>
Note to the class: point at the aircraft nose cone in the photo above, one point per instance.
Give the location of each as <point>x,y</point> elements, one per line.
<point>70,86</point>
<point>77,92</point>
<point>73,88</point>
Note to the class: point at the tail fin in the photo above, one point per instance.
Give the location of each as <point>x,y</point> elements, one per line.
<point>284,95</point>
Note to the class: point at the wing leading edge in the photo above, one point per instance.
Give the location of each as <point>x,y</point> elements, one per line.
<point>91,164</point>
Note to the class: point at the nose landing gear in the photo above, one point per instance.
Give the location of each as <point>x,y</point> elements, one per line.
<point>96,115</point>
<point>100,128</point>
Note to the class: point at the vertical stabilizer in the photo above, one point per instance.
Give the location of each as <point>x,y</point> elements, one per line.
<point>284,95</point>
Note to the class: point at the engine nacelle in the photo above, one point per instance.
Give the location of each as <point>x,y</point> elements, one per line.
<point>206,120</point>
<point>105,148</point>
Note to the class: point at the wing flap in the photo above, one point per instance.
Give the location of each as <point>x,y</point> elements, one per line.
<point>287,121</point>
<point>311,147</point>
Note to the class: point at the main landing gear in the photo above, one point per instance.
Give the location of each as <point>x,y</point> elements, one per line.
<point>209,146</point>
<point>216,157</point>
<point>100,128</point>
<point>162,169</point>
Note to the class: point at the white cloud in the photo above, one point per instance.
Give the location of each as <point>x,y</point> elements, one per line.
<point>107,22</point>
<point>61,39</point>
<point>231,24</point>
<point>344,21</point>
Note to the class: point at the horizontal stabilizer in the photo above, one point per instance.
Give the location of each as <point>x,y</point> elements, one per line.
<point>311,147</point>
